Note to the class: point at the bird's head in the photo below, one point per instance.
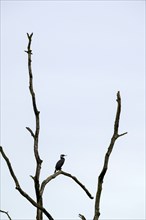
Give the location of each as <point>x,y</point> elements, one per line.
<point>62,155</point>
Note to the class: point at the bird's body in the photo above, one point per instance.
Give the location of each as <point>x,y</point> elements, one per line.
<point>60,163</point>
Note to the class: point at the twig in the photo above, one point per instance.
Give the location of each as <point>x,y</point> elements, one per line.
<point>6,214</point>
<point>82,217</point>
<point>31,132</point>
<point>51,177</point>
<point>18,187</point>
<point>106,159</point>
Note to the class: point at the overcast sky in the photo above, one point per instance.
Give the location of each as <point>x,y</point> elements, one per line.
<point>83,53</point>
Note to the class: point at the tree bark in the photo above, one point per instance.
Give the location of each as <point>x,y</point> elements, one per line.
<point>39,212</point>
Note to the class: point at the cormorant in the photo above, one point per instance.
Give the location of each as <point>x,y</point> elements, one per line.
<point>60,163</point>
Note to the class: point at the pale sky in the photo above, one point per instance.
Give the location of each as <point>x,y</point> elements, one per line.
<point>83,53</point>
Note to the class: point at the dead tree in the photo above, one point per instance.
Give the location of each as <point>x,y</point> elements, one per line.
<point>39,187</point>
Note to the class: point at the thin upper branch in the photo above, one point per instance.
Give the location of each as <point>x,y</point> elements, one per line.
<point>36,112</point>
<point>51,177</point>
<point>106,159</point>
<point>37,119</point>
<point>18,187</point>
<point>6,214</point>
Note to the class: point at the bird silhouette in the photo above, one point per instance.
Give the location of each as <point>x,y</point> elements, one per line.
<point>60,163</point>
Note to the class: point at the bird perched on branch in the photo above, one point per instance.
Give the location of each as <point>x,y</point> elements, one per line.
<point>60,163</point>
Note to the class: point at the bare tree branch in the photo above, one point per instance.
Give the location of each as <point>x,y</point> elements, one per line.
<point>106,159</point>
<point>18,187</point>
<point>6,214</point>
<point>37,129</point>
<point>31,132</point>
<point>51,177</point>
<point>82,217</point>
<point>119,135</point>
<point>36,112</point>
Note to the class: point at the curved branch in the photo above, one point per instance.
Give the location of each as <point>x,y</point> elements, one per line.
<point>6,214</point>
<point>49,178</point>
<point>18,187</point>
<point>106,159</point>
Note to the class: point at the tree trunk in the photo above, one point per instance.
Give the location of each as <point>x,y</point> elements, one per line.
<point>39,214</point>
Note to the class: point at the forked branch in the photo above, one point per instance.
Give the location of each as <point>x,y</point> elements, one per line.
<point>6,214</point>
<point>51,177</point>
<point>106,159</point>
